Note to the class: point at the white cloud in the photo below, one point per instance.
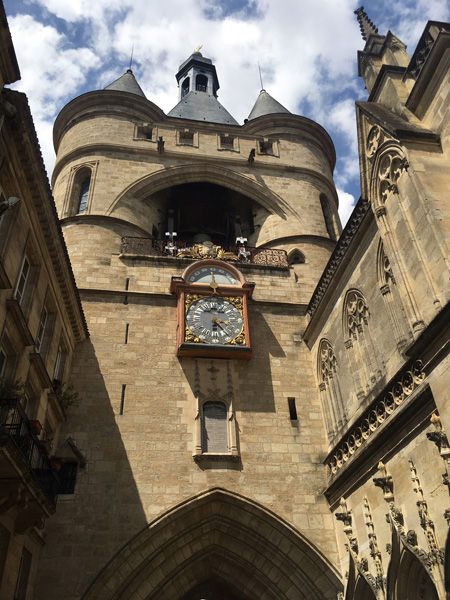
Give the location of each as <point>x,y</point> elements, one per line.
<point>307,52</point>
<point>346,205</point>
<point>50,70</point>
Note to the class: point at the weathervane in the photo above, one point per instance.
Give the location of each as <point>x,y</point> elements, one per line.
<point>131,57</point>
<point>260,76</point>
<point>198,48</point>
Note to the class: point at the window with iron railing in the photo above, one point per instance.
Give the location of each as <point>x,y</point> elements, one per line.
<point>16,428</point>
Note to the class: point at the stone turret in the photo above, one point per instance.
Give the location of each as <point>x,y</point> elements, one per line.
<point>130,171</point>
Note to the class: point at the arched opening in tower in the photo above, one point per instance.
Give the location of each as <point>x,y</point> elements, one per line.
<point>202,211</point>
<point>217,546</point>
<point>201,83</point>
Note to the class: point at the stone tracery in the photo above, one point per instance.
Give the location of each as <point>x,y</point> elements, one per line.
<point>365,364</point>
<point>332,402</point>
<point>392,299</point>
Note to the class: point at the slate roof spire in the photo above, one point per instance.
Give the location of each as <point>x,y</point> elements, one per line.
<point>365,24</point>
<point>266,105</point>
<point>126,83</point>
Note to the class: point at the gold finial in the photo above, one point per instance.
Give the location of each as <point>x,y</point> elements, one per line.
<point>198,48</point>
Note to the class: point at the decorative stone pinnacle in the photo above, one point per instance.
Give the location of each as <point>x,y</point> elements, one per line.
<point>365,24</point>
<point>385,482</point>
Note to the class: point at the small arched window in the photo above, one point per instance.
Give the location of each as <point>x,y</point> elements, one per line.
<point>185,87</point>
<point>84,194</point>
<point>201,83</point>
<point>215,428</point>
<point>296,257</point>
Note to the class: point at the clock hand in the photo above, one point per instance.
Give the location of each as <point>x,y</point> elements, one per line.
<point>218,322</point>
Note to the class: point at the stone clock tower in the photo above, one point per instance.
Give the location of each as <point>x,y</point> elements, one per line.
<point>195,242</point>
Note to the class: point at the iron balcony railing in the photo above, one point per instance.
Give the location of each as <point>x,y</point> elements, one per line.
<point>14,425</point>
<point>237,254</point>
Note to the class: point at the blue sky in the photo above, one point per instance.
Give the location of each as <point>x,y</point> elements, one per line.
<point>307,52</point>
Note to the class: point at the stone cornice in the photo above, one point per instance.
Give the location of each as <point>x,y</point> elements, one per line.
<point>22,131</point>
<point>171,299</point>
<point>240,161</point>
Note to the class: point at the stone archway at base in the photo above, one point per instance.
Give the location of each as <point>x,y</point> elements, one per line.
<point>217,546</point>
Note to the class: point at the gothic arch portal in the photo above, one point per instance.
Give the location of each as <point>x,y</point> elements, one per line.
<point>150,184</point>
<point>216,542</point>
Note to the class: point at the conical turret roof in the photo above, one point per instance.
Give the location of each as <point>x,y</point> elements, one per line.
<point>126,83</point>
<point>266,105</point>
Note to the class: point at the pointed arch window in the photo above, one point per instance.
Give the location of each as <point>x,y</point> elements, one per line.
<point>80,189</point>
<point>296,257</point>
<point>84,194</point>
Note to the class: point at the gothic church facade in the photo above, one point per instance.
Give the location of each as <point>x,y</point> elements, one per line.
<point>263,396</point>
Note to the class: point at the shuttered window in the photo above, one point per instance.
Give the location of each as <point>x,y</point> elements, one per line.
<point>215,430</point>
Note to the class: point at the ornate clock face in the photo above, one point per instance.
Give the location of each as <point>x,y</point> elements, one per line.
<point>214,320</point>
<point>213,273</point>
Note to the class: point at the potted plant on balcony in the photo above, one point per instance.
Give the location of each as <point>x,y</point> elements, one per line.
<point>56,463</point>
<point>66,394</point>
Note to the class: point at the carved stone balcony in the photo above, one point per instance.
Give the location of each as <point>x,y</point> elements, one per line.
<point>137,247</point>
<point>28,486</point>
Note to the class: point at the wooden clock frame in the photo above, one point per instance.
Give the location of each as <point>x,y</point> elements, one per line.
<point>183,288</point>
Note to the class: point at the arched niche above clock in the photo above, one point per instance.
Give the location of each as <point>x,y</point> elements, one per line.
<point>225,273</point>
